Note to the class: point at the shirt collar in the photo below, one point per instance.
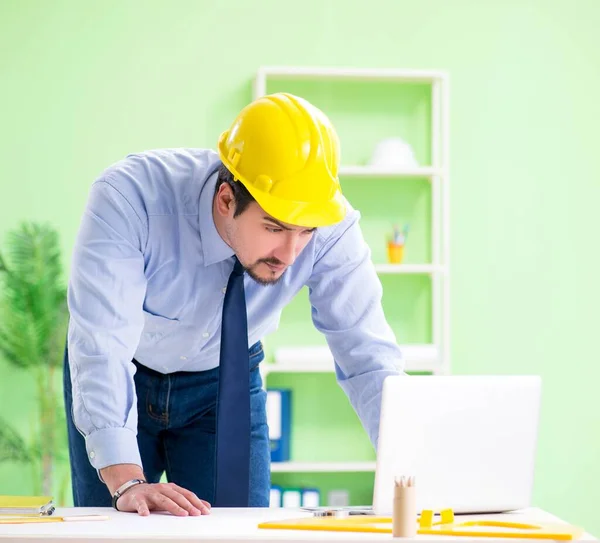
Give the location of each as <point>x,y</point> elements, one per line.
<point>214,249</point>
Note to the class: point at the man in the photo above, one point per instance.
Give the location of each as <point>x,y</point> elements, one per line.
<point>183,263</point>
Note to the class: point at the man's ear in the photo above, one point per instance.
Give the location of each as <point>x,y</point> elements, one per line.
<point>225,201</point>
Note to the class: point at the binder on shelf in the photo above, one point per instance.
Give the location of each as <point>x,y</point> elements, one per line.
<point>275,499</point>
<point>279,422</point>
<point>291,497</point>
<point>338,498</point>
<point>311,497</point>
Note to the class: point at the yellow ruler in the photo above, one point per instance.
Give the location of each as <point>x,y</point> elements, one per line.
<point>494,526</point>
<point>24,519</point>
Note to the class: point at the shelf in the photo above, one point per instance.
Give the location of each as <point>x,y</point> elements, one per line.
<point>314,467</point>
<point>373,172</point>
<point>318,359</point>
<point>350,74</point>
<point>427,269</point>
<point>324,367</point>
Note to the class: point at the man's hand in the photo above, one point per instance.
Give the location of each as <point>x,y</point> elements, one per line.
<point>162,497</point>
<point>152,497</point>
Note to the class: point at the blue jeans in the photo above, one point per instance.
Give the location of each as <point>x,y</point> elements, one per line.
<point>176,434</point>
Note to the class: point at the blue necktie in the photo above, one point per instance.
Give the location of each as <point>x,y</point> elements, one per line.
<point>232,477</point>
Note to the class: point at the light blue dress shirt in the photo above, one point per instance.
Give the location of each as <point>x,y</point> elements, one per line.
<point>148,279</point>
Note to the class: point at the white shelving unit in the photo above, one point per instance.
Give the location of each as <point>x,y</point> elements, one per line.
<point>436,173</point>
<point>434,357</point>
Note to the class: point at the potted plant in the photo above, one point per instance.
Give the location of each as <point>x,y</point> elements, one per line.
<point>33,324</point>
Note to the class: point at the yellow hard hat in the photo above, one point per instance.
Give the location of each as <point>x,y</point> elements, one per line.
<point>286,153</point>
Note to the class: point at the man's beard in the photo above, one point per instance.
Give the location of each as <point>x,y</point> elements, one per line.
<point>261,280</point>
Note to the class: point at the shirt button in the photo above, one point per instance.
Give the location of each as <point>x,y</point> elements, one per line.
<point>183,357</point>
<point>224,289</point>
<point>205,334</point>
<point>92,454</point>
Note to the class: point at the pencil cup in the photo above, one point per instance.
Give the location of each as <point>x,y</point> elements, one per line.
<point>404,513</point>
<point>395,252</point>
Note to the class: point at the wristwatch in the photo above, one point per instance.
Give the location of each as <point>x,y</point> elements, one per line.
<point>124,488</point>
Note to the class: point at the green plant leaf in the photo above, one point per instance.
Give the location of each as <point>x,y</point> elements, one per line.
<point>12,446</point>
<point>33,306</point>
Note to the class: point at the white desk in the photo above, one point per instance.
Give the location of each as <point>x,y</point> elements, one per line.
<point>221,526</point>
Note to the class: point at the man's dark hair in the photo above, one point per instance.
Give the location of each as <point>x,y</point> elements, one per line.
<point>241,196</point>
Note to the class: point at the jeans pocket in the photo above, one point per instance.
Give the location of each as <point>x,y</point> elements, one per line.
<point>256,354</point>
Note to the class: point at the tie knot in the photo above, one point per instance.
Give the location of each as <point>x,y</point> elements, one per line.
<point>238,269</point>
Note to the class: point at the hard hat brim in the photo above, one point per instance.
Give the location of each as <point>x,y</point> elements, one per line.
<point>307,214</point>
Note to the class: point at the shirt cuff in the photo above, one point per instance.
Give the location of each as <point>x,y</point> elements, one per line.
<point>112,446</point>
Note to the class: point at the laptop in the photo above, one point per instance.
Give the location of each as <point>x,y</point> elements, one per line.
<point>469,441</point>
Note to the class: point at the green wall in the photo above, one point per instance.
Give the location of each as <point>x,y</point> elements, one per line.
<point>85,83</point>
